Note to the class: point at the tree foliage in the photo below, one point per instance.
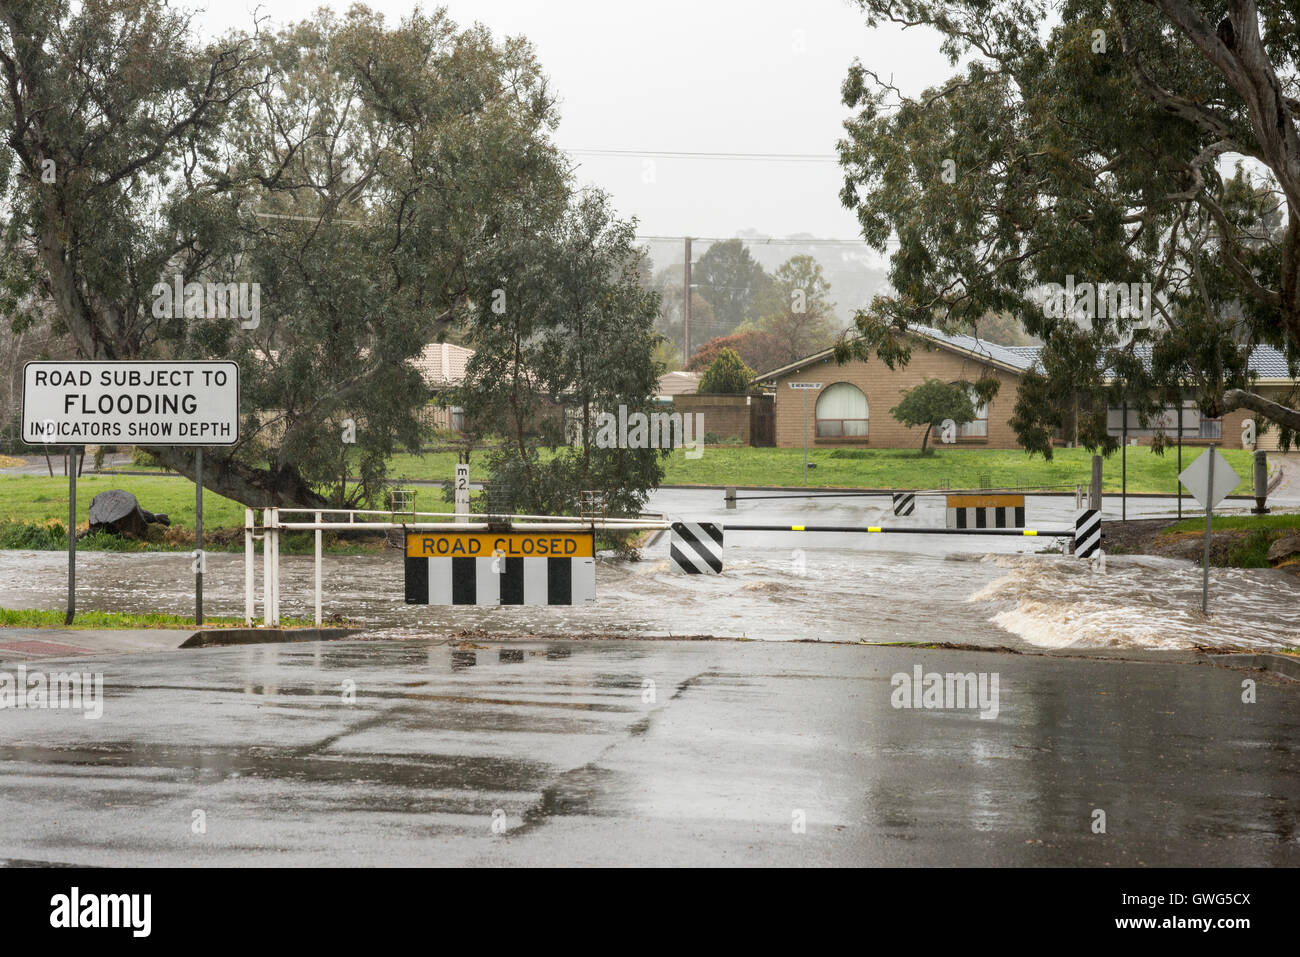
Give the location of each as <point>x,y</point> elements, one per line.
<point>732,282</point>
<point>360,173</point>
<point>795,309</point>
<point>563,332</point>
<point>931,402</point>
<point>726,375</point>
<point>1111,141</point>
<point>757,349</point>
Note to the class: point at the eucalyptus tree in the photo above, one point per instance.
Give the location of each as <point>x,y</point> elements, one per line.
<point>352,171</point>
<point>564,335</point>
<point>1097,142</point>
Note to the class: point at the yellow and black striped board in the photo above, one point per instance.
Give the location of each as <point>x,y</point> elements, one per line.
<point>986,511</point>
<point>500,568</point>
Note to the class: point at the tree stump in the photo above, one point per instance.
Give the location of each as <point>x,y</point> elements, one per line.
<point>117,511</point>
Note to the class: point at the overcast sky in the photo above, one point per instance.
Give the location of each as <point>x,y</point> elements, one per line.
<point>691,76</point>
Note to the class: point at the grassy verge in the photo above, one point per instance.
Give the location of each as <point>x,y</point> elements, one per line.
<point>1245,539</point>
<point>950,468</point>
<point>32,618</point>
<point>39,498</point>
<point>1251,522</point>
<point>34,513</point>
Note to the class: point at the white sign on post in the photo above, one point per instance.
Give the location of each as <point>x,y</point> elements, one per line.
<point>805,385</point>
<point>462,492</point>
<point>137,403</point>
<point>1197,478</point>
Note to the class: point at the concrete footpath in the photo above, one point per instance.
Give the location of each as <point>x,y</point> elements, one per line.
<point>26,644</point>
<point>651,752</point>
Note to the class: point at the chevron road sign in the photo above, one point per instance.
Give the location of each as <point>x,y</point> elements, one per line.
<point>696,548</point>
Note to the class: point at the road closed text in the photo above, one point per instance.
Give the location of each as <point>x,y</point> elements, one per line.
<point>496,544</point>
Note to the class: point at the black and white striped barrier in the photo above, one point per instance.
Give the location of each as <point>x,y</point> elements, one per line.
<point>500,568</point>
<point>986,511</point>
<point>904,503</point>
<point>696,547</point>
<point>1087,533</point>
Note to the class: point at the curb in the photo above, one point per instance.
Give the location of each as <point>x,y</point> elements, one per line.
<point>1287,665</point>
<point>218,637</point>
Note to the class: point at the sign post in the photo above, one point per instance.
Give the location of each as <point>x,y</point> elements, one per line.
<point>137,403</point>
<point>805,387</point>
<point>199,558</point>
<point>1209,479</point>
<point>72,535</point>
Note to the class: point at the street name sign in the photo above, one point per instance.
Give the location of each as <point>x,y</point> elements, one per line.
<point>805,385</point>
<point>138,403</point>
<point>1197,478</point>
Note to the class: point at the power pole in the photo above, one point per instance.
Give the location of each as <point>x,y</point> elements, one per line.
<point>686,307</point>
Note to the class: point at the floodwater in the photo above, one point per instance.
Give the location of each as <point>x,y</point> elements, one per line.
<point>776,586</point>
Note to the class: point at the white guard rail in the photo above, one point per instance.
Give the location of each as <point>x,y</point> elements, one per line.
<point>273,523</point>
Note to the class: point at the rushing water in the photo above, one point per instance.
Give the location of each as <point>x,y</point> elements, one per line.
<point>984,591</point>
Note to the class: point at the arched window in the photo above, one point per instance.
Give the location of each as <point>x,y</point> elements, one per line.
<point>842,412</point>
<point>979,427</point>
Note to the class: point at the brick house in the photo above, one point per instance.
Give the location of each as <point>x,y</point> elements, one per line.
<point>851,408</point>
<point>442,365</point>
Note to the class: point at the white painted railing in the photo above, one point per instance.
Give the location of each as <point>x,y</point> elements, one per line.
<point>273,523</point>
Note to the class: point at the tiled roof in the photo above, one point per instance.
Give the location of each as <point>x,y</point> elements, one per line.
<point>678,383</point>
<point>1019,357</point>
<point>1269,363</point>
<point>1265,361</point>
<point>442,363</point>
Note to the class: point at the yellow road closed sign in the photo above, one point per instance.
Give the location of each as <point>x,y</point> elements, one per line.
<point>500,568</point>
<point>501,544</point>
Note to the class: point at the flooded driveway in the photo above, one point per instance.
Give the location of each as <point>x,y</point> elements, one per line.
<point>775,587</point>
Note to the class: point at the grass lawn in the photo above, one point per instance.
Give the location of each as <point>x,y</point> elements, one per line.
<point>869,468</point>
<point>29,618</point>
<point>1246,539</point>
<point>39,498</point>
<point>34,510</point>
<point>1269,523</point>
<point>945,468</point>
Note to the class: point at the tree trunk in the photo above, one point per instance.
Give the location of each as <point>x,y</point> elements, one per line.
<point>1240,399</point>
<point>926,438</point>
<point>255,488</point>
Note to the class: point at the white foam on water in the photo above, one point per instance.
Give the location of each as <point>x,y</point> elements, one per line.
<point>1140,602</point>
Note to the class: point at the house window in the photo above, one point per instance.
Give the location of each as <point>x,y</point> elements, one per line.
<point>842,412</point>
<point>978,428</point>
<point>1211,428</point>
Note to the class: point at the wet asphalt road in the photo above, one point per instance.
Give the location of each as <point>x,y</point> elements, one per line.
<point>579,761</point>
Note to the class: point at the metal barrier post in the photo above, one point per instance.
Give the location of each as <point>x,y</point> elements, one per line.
<point>266,567</point>
<point>249,571</point>
<point>275,567</point>
<point>318,533</point>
